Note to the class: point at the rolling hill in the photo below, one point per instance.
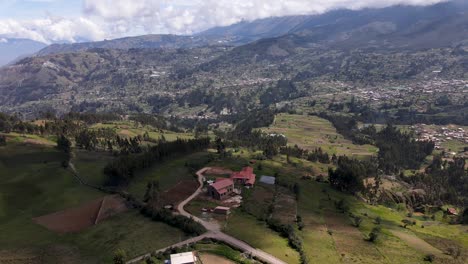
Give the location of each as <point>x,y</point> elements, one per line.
<point>167,74</point>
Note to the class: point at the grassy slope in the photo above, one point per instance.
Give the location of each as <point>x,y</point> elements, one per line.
<point>90,165</point>
<point>257,234</point>
<point>347,243</point>
<point>32,183</point>
<point>131,129</point>
<point>168,174</point>
<point>311,132</point>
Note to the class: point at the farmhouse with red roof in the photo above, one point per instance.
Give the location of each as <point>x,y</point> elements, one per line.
<point>245,176</point>
<point>221,189</point>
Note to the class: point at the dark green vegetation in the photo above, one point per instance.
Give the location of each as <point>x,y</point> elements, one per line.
<point>122,170</point>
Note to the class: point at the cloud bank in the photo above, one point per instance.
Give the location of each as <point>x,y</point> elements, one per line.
<point>117,18</point>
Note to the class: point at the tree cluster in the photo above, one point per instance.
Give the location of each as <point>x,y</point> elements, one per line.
<point>122,170</point>
<point>443,181</point>
<point>188,225</point>
<point>350,173</point>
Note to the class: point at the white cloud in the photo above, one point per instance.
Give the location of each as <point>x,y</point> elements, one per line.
<point>195,15</point>
<point>116,18</point>
<point>52,29</point>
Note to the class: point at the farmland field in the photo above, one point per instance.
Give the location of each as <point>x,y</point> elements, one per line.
<point>33,183</point>
<point>132,129</point>
<point>310,132</point>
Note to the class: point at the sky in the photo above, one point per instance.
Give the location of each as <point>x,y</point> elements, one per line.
<point>51,21</point>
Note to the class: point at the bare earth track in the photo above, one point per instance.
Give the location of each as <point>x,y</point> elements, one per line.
<point>214,232</point>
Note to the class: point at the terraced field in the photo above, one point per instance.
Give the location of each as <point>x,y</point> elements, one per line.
<point>310,132</point>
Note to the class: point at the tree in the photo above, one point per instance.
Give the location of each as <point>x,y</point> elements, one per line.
<point>64,144</point>
<point>464,220</point>
<point>120,256</point>
<point>357,220</point>
<point>152,192</point>
<point>220,146</point>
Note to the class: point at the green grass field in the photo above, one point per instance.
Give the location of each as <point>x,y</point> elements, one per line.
<point>91,165</point>
<point>346,243</point>
<point>132,129</point>
<point>222,250</point>
<point>33,183</point>
<point>257,234</point>
<point>168,173</point>
<point>310,132</point>
<point>30,139</point>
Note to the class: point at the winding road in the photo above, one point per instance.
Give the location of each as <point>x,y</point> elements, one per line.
<point>214,232</point>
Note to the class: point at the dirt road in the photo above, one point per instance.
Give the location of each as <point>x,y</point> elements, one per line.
<point>214,232</point>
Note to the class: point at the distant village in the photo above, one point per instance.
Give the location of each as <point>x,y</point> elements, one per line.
<point>441,134</point>
<point>399,93</point>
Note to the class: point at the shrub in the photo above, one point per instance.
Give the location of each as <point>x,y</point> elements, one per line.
<point>120,257</point>
<point>374,234</point>
<point>407,222</point>
<point>342,206</point>
<point>357,220</point>
<point>378,220</point>
<point>429,258</point>
<point>188,225</point>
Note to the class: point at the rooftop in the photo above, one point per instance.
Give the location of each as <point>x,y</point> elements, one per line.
<point>222,183</point>
<point>183,258</point>
<point>245,173</point>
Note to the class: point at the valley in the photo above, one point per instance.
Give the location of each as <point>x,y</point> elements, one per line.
<point>338,136</point>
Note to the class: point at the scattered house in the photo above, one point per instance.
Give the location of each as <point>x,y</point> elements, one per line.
<point>245,176</point>
<point>221,189</point>
<point>452,211</point>
<point>222,210</point>
<point>268,180</point>
<point>183,258</point>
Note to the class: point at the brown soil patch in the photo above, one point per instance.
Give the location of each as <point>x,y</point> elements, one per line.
<point>218,171</point>
<point>349,241</point>
<point>126,133</point>
<point>179,192</point>
<point>38,142</point>
<point>82,217</point>
<point>285,208</point>
<point>213,259</point>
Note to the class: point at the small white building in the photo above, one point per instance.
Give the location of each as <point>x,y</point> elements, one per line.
<point>183,258</point>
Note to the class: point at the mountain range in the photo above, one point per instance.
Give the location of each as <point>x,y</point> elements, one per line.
<point>160,73</point>
<point>12,49</point>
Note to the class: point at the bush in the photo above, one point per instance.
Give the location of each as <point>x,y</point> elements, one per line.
<point>407,222</point>
<point>120,257</point>
<point>429,258</point>
<point>342,206</point>
<point>378,220</point>
<point>374,234</point>
<point>357,220</point>
<point>188,225</point>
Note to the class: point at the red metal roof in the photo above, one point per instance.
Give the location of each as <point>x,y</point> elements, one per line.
<point>246,173</point>
<point>221,184</point>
